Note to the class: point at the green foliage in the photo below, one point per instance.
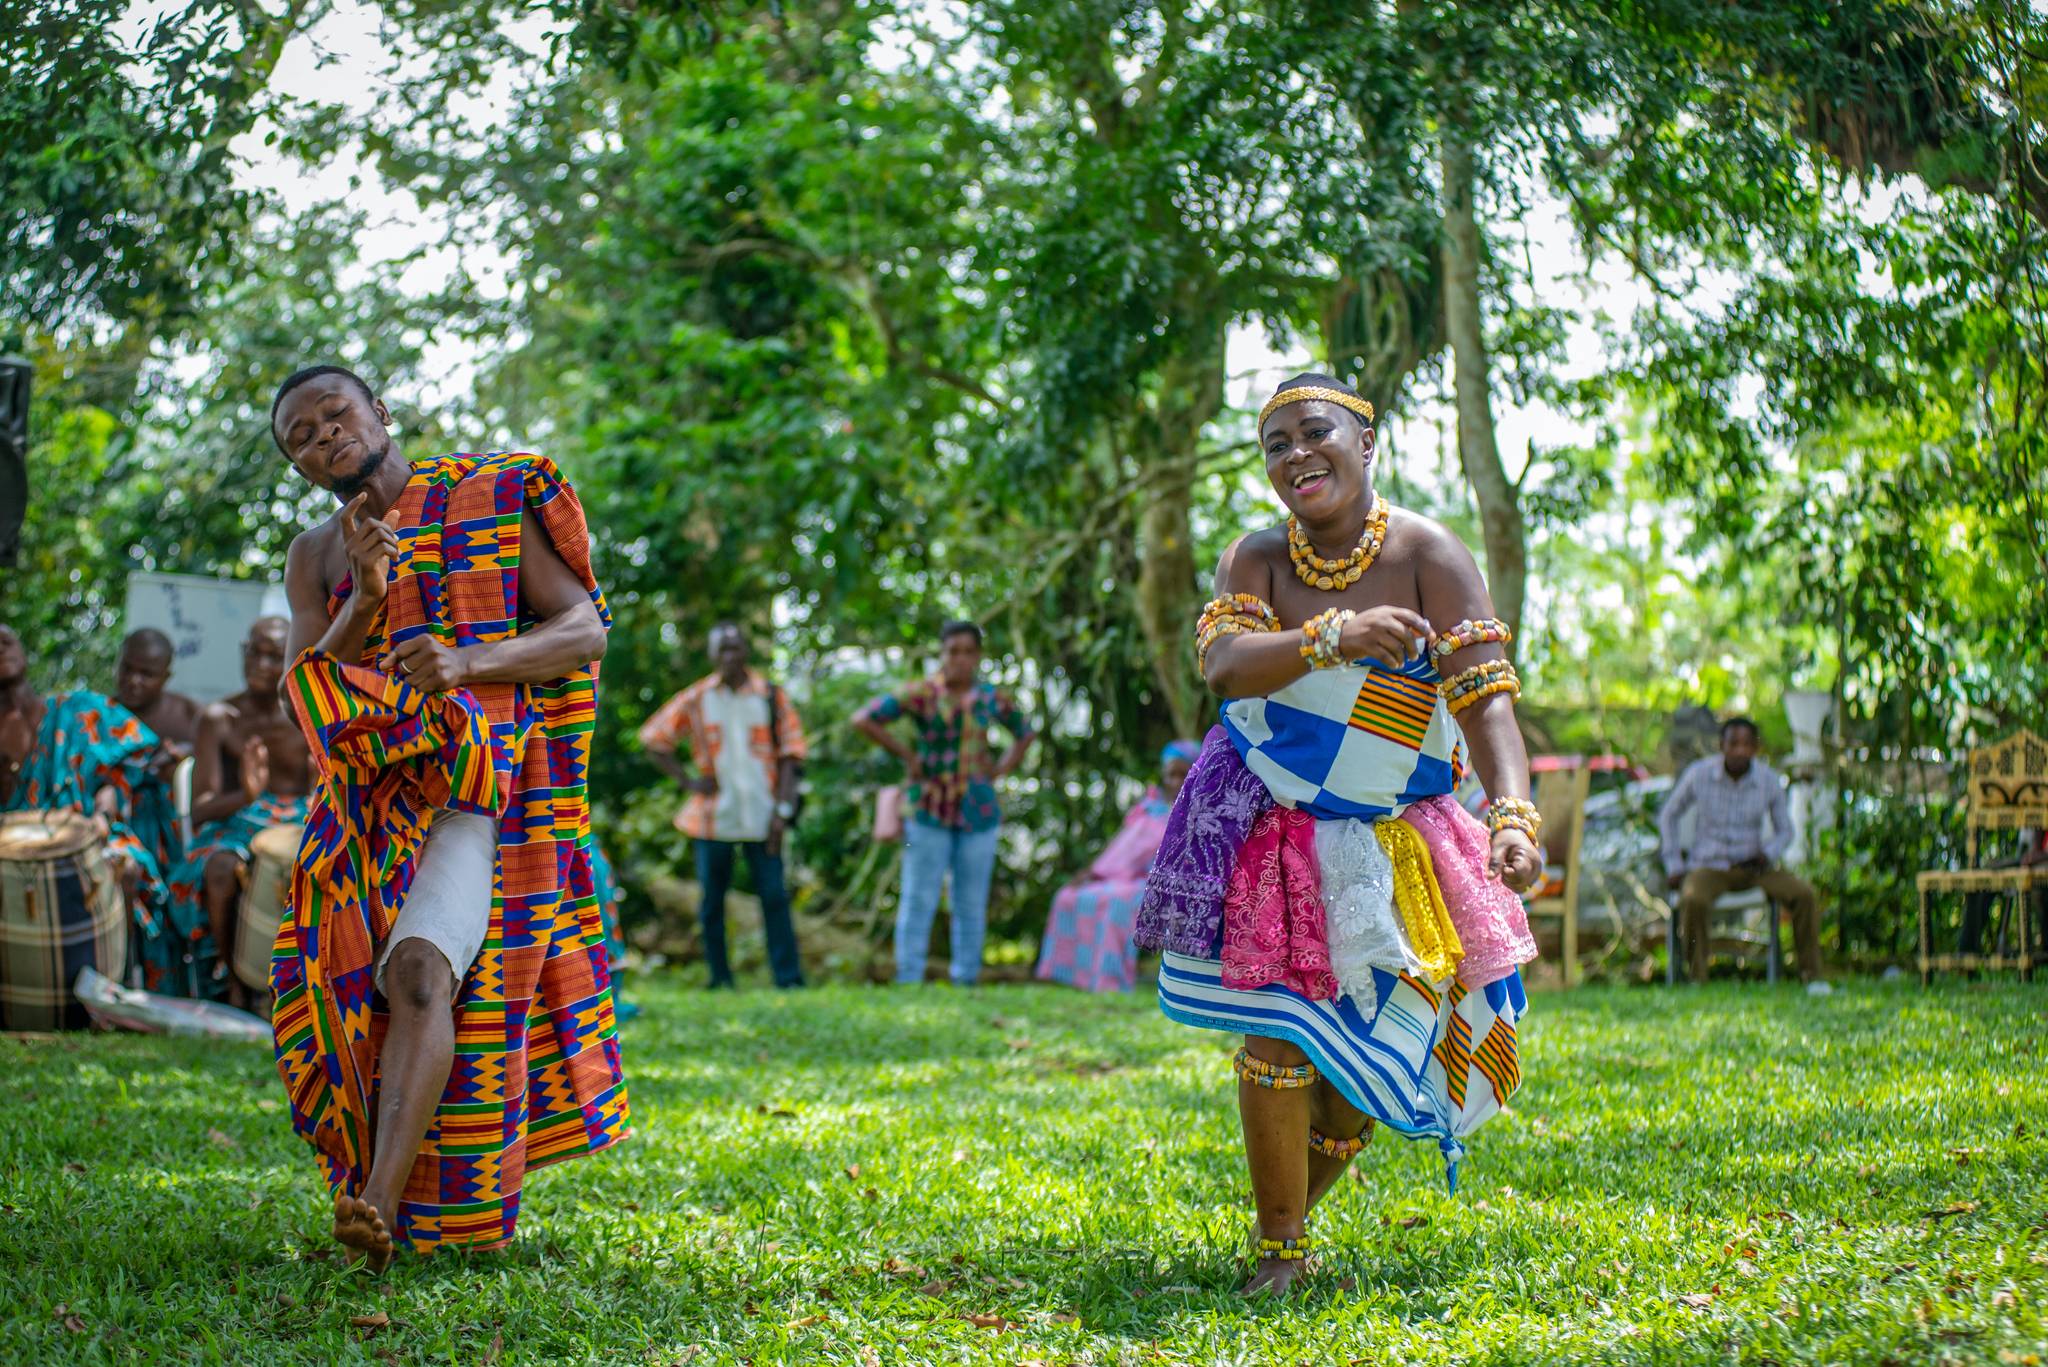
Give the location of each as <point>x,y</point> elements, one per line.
<point>1699,1176</point>
<point>118,197</point>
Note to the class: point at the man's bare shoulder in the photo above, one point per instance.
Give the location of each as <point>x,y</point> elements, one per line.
<point>313,553</point>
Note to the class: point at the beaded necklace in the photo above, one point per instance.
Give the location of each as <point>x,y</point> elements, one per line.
<point>1331,575</point>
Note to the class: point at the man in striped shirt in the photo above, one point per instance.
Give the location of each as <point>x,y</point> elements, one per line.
<point>1733,792</point>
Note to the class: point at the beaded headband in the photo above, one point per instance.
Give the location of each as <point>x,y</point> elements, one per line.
<point>1306,392</point>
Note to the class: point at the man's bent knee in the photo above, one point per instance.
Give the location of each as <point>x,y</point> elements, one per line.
<point>223,871</point>
<point>417,976</point>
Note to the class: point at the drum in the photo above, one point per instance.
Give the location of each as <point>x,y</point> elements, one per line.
<point>271,855</point>
<point>61,911</point>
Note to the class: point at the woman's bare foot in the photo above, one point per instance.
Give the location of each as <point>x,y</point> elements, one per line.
<point>1275,1277</point>
<point>356,1224</point>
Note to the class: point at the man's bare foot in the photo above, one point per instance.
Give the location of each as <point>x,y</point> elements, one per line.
<point>356,1224</point>
<point>1277,1277</point>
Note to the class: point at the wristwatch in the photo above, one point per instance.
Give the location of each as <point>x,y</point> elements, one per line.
<point>786,810</point>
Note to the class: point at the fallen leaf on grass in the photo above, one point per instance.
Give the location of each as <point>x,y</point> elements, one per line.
<point>1959,1208</point>
<point>1064,1317</point>
<point>937,1286</point>
<point>370,1322</point>
<point>896,1267</point>
<point>995,1322</point>
<point>1698,1300</point>
<point>222,1141</point>
<point>870,1194</point>
<point>1414,1220</point>
<point>491,1353</point>
<point>806,1322</point>
<point>853,1170</point>
<point>73,1322</point>
<point>74,1167</point>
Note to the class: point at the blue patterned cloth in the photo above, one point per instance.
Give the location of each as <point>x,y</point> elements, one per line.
<point>1360,741</point>
<point>1430,1064</point>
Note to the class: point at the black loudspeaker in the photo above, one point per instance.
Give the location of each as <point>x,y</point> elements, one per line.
<point>14,378</point>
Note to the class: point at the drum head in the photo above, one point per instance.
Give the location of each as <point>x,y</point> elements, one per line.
<point>277,843</point>
<point>36,836</point>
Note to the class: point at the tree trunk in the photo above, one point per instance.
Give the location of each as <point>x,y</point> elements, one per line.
<point>1500,513</point>
<point>1169,593</point>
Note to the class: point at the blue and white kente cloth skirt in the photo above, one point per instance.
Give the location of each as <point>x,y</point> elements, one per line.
<point>1428,1053</point>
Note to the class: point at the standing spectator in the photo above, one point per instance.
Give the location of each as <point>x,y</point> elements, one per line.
<point>747,746</point>
<point>955,820</point>
<point>1734,791</point>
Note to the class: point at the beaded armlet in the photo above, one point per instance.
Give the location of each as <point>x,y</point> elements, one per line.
<point>1471,633</point>
<point>1228,616</point>
<point>1468,686</point>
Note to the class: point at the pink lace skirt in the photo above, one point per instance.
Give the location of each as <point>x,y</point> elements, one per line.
<point>1491,921</point>
<point>1273,928</point>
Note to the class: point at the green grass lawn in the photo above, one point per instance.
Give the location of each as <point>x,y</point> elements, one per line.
<point>1016,1174</point>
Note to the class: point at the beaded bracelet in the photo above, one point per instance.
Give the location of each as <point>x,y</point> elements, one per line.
<point>1285,1250</point>
<point>1514,814</point>
<point>1340,1148</point>
<point>1322,638</point>
<point>1472,633</point>
<point>1278,1076</point>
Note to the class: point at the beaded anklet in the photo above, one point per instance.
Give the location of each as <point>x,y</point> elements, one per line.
<point>1339,1148</point>
<point>1277,1076</point>
<point>1285,1250</point>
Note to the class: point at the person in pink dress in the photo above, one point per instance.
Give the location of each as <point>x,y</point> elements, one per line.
<point>1088,936</point>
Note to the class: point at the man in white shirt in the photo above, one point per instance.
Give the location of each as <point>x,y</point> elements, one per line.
<point>747,747</point>
<point>1734,793</point>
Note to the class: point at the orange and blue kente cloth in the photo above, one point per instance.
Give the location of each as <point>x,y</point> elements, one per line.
<point>536,1075</point>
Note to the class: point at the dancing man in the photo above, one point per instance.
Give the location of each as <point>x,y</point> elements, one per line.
<point>444,1015</point>
<point>251,771</point>
<point>1317,889</point>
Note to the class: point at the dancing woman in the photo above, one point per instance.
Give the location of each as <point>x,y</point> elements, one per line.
<point>1318,891</point>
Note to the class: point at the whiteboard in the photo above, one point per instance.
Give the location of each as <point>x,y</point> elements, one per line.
<point>206,620</point>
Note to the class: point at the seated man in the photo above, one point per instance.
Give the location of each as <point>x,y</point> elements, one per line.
<point>252,772</point>
<point>1734,791</point>
<point>141,674</point>
<point>1088,940</point>
<point>82,751</point>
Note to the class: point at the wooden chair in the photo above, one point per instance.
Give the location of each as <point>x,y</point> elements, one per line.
<point>2008,789</point>
<point>1560,797</point>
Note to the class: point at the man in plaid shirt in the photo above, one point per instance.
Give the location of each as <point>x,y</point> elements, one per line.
<point>1734,792</point>
<point>747,746</point>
